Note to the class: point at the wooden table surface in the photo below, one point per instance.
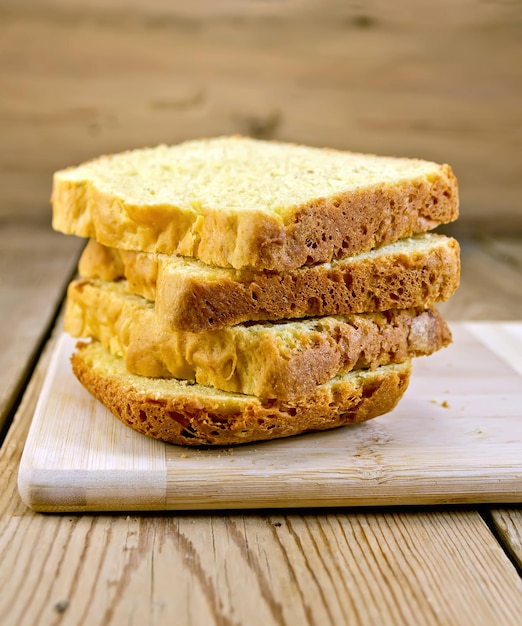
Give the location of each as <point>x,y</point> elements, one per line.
<point>451,565</point>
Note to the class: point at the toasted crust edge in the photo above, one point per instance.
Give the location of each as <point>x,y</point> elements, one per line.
<point>229,419</point>
<point>398,281</point>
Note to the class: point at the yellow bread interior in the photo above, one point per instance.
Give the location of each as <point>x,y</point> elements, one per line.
<point>275,360</point>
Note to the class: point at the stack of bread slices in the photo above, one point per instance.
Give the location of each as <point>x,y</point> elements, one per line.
<point>235,290</point>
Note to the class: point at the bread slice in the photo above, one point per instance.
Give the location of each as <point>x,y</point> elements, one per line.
<point>239,202</point>
<point>270,360</point>
<point>192,296</point>
<point>196,415</point>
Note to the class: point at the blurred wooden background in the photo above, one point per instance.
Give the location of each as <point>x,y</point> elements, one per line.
<point>439,80</point>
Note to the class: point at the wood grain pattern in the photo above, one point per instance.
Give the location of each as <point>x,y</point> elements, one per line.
<point>396,568</point>
<point>306,569</point>
<point>441,82</point>
<point>376,577</point>
<point>35,265</point>
<point>455,437</point>
<point>508,523</point>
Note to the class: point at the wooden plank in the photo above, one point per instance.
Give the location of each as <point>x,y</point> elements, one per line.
<point>35,264</point>
<point>398,568</point>
<point>508,524</point>
<point>441,84</point>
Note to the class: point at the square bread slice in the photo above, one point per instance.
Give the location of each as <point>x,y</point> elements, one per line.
<point>240,202</point>
<point>270,360</point>
<point>196,415</point>
<point>192,296</point>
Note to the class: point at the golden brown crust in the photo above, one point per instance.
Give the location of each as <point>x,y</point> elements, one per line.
<point>315,231</point>
<point>194,416</point>
<point>338,227</point>
<point>356,285</point>
<point>194,300</point>
<point>283,361</point>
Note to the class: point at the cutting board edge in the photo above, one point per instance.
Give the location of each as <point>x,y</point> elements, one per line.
<point>253,505</point>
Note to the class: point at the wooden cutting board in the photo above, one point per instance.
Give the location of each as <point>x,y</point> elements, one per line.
<point>456,437</point>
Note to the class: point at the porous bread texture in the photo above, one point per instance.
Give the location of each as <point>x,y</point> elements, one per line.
<point>192,296</point>
<point>239,202</point>
<point>104,263</point>
<point>271,360</point>
<point>196,415</point>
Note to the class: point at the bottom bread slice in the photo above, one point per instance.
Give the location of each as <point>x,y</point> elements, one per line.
<point>191,414</point>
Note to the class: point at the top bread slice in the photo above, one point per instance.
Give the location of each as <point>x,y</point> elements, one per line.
<point>243,203</point>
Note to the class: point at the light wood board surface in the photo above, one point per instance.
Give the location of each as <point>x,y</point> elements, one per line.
<point>455,437</point>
